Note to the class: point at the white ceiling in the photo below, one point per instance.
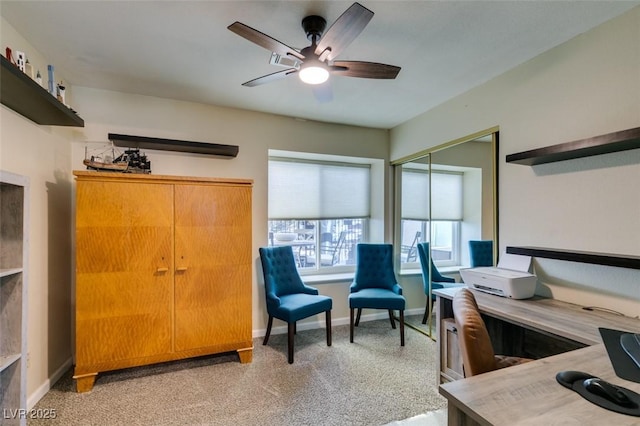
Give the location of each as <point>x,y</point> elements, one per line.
<point>183,50</point>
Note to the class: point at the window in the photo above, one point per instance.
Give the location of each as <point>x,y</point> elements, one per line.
<point>444,215</point>
<point>321,209</point>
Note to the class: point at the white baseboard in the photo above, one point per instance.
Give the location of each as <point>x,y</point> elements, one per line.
<point>33,399</point>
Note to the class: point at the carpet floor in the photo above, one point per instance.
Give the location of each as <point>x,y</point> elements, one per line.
<point>373,381</point>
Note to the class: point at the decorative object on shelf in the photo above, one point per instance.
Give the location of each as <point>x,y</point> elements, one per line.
<point>52,80</point>
<point>9,55</point>
<point>28,68</point>
<point>61,94</point>
<point>606,259</point>
<point>173,145</point>
<point>28,98</point>
<point>20,60</point>
<point>604,144</point>
<point>110,159</point>
<point>39,78</point>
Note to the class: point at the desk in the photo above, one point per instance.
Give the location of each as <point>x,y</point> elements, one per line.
<point>528,394</point>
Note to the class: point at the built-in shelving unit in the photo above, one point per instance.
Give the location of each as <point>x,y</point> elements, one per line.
<point>13,297</point>
<point>142,142</point>
<point>606,259</point>
<point>22,94</point>
<point>611,142</point>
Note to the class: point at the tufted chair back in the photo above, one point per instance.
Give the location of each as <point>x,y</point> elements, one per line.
<point>423,251</point>
<point>280,274</point>
<point>374,266</point>
<point>481,253</point>
<point>438,281</point>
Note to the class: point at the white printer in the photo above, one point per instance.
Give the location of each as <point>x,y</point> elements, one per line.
<point>511,278</point>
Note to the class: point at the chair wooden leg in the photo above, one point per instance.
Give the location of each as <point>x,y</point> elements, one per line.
<point>401,328</point>
<point>266,336</point>
<point>426,313</point>
<point>351,325</point>
<point>291,332</point>
<point>328,315</point>
<point>358,317</point>
<point>393,323</point>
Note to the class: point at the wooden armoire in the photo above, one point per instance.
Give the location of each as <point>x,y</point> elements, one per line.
<point>163,270</point>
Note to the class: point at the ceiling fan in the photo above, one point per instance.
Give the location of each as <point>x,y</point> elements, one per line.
<point>314,63</point>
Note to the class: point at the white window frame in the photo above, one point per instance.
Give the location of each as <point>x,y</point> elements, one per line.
<point>456,249</point>
<point>373,229</point>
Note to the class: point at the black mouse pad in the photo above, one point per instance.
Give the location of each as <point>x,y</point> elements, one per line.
<point>622,363</point>
<point>633,410</point>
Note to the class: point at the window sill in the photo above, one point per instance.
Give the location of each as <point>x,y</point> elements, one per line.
<point>444,270</point>
<point>348,276</point>
<point>328,278</point>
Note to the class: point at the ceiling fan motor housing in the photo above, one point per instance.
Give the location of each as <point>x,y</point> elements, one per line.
<point>314,25</point>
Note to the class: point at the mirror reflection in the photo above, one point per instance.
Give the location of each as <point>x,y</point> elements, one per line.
<point>447,200</point>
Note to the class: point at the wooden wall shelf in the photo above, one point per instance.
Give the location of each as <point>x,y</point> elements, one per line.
<point>603,144</point>
<point>142,142</point>
<point>26,97</point>
<point>606,259</point>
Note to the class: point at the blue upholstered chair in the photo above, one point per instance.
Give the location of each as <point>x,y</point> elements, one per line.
<point>481,252</point>
<point>375,285</point>
<point>437,279</point>
<point>288,298</point>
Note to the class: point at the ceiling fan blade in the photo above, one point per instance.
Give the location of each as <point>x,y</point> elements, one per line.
<point>264,40</point>
<point>269,78</point>
<point>343,31</point>
<point>364,69</point>
<point>323,92</point>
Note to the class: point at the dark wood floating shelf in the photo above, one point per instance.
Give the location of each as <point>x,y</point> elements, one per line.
<point>143,142</point>
<point>618,260</point>
<point>26,97</point>
<point>604,144</point>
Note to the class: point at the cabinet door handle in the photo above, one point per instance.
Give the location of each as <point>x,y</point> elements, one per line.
<point>181,268</point>
<point>162,269</point>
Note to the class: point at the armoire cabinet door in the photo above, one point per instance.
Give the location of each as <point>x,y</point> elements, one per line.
<point>213,266</point>
<point>124,265</point>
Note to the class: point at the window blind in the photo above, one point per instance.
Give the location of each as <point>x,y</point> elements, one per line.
<point>313,190</point>
<point>446,195</point>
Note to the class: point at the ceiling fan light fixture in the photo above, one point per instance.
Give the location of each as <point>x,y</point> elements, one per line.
<point>313,72</point>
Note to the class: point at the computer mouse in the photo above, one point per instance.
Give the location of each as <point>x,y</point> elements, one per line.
<point>608,391</point>
<point>569,377</point>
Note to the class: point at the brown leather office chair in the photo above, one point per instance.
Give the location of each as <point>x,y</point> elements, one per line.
<point>475,345</point>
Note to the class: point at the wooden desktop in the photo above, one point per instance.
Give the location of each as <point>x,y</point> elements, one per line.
<point>561,336</point>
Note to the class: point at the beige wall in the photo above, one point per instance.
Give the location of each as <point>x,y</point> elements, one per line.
<point>42,154</point>
<point>586,87</point>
